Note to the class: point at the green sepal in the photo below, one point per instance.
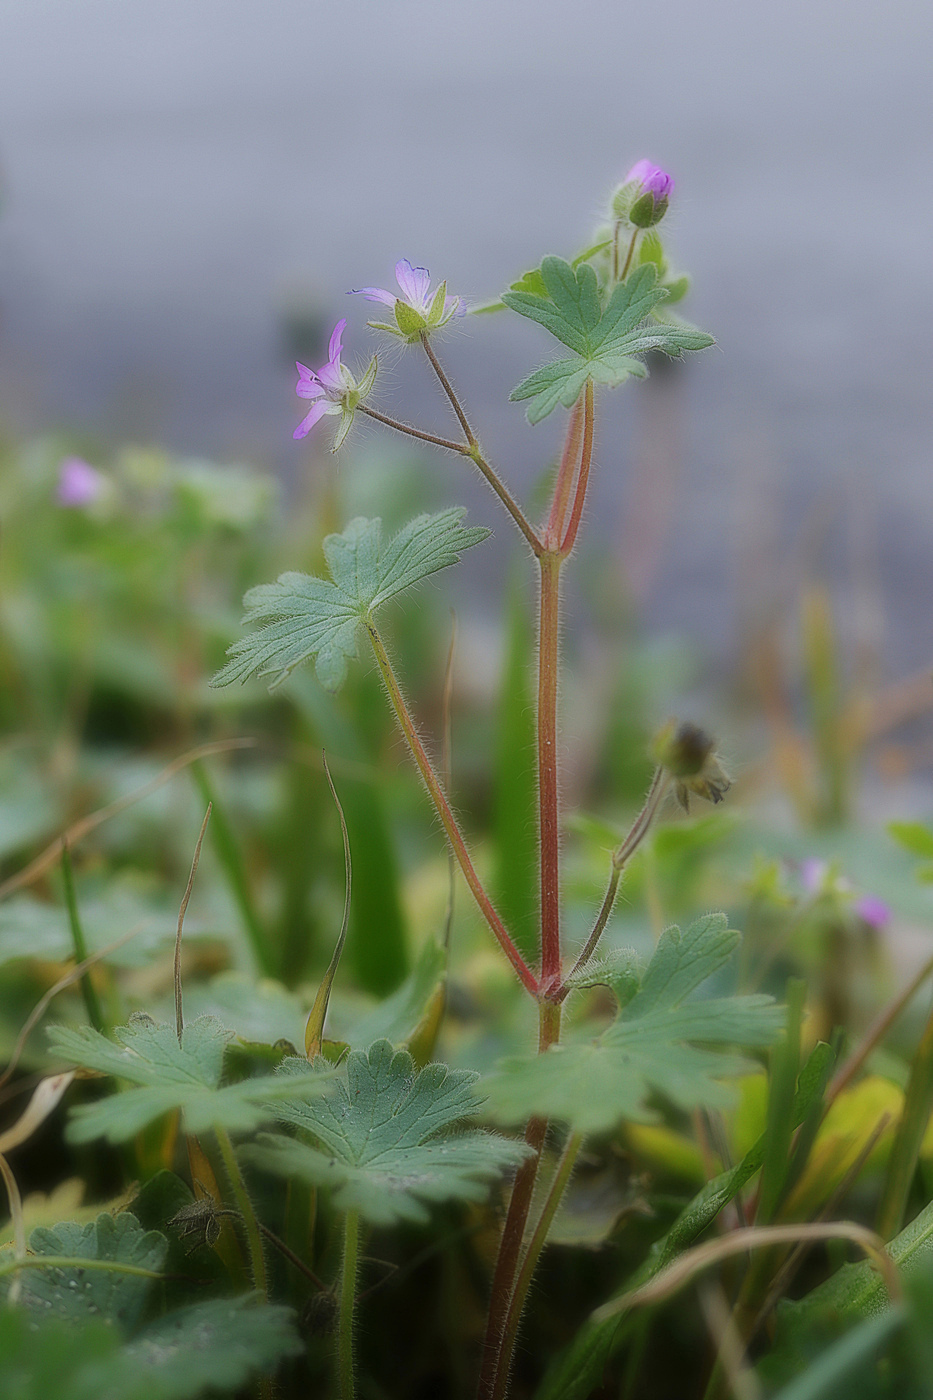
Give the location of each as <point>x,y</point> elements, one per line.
<point>436,312</point>
<point>385,326</point>
<point>410,322</point>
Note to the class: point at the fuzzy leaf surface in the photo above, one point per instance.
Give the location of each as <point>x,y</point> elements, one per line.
<point>607,342</point>
<point>390,1139</point>
<point>300,616</point>
<point>659,1043</point>
<point>76,1295</point>
<point>170,1076</point>
<point>204,1349</point>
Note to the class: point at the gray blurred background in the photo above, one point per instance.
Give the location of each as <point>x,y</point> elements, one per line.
<point>186,182</point>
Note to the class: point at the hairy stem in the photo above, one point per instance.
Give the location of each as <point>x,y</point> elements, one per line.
<point>530,1262</point>
<point>257,1256</point>
<point>469,449</point>
<point>448,389</point>
<point>351,1259</point>
<point>513,1232</point>
<point>629,255</point>
<point>548,804</point>
<point>586,457</point>
<point>460,447</point>
<point>568,465</point>
<point>620,858</point>
<point>444,811</point>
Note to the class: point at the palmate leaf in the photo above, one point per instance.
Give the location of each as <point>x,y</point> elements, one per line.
<point>202,1349</point>
<point>171,1076</point>
<point>606,342</point>
<point>659,1043</point>
<point>77,1294</point>
<point>390,1139</point>
<point>299,616</point>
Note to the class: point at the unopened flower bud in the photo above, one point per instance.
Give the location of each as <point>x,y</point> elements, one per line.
<point>689,755</point>
<point>645,194</point>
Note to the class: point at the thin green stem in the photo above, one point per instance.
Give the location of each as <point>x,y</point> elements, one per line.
<point>530,1262</point>
<point>629,255</point>
<point>257,1256</point>
<point>616,230</point>
<point>351,1252</point>
<point>513,1231</point>
<point>445,812</point>
<point>620,858</point>
<point>88,991</point>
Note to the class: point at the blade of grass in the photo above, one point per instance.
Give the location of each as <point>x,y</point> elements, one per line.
<point>902,1164</point>
<point>179,1019</point>
<point>314,1030</point>
<point>234,868</point>
<point>88,991</point>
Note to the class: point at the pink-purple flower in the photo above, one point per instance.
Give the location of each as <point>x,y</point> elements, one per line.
<point>643,196</point>
<point>872,911</point>
<point>652,179</point>
<point>79,484</point>
<point>332,389</point>
<point>418,309</point>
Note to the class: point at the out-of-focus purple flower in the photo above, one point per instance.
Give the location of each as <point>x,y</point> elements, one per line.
<point>652,178</point>
<point>813,874</point>
<point>79,484</point>
<point>332,388</point>
<point>872,910</point>
<point>418,308</point>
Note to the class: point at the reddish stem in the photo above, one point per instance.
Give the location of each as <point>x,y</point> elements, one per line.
<point>586,458</point>
<point>568,463</point>
<point>444,811</point>
<point>513,1232</point>
<point>548,804</point>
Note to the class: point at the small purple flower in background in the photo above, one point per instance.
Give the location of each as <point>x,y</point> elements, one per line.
<point>418,309</point>
<point>332,388</point>
<point>872,911</point>
<point>813,874</point>
<point>79,484</point>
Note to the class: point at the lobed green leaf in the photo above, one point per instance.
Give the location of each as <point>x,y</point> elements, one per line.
<point>659,1044</point>
<point>390,1140</point>
<point>171,1077</point>
<point>300,617</point>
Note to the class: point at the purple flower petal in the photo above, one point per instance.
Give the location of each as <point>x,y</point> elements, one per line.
<point>652,178</point>
<point>375,294</point>
<point>308,386</point>
<point>331,377</point>
<point>812,874</point>
<point>335,348</point>
<point>316,412</point>
<point>414,282</point>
